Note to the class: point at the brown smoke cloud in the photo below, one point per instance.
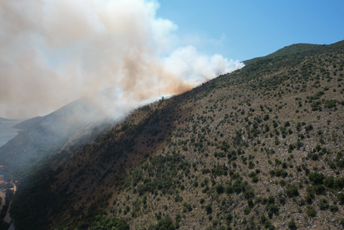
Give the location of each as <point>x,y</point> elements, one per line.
<point>55,51</point>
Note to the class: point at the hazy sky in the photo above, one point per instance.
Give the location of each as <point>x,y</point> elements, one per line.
<point>250,28</point>
<point>55,51</point>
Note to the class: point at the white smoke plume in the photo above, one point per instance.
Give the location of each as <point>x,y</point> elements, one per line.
<point>55,51</point>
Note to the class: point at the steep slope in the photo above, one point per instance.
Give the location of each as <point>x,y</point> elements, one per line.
<point>261,147</point>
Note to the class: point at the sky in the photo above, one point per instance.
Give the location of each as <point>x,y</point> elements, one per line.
<point>246,29</point>
<point>53,52</point>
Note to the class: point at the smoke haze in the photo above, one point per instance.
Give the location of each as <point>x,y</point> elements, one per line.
<point>55,51</point>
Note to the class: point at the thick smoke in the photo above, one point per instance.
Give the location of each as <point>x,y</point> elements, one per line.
<point>55,51</point>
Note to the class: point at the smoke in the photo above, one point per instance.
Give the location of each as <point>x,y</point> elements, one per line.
<point>55,51</point>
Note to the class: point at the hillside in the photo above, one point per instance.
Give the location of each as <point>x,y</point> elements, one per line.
<point>259,148</point>
<point>28,123</point>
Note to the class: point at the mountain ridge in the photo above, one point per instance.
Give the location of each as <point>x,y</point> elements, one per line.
<point>297,48</point>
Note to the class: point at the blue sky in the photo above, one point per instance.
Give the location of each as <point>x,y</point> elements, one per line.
<point>247,29</point>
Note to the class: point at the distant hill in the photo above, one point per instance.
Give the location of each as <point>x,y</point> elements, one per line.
<point>259,148</point>
<point>28,123</point>
<point>300,49</point>
<point>42,136</point>
<point>4,119</point>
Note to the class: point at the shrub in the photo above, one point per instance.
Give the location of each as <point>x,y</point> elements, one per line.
<point>271,200</point>
<point>292,224</point>
<point>229,218</point>
<point>272,173</point>
<point>208,209</point>
<point>268,225</point>
<point>334,208</point>
<point>292,192</point>
<point>277,142</point>
<point>330,104</point>
<point>320,189</point>
<point>165,224</point>
<point>316,178</point>
<point>341,198</point>
<point>249,193</point>
<point>229,189</point>
<point>220,189</point>
<point>247,210</point>
<point>263,219</point>
<point>311,212</point>
<point>308,128</point>
<point>323,205</point>
<point>273,208</point>
<point>309,199</point>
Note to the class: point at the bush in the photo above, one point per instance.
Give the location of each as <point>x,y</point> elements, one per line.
<point>273,208</point>
<point>272,173</point>
<point>220,189</point>
<point>309,199</point>
<point>292,192</point>
<point>311,212</point>
<point>292,224</point>
<point>208,209</point>
<point>229,189</point>
<point>341,198</point>
<point>229,218</point>
<point>271,200</point>
<point>334,208</point>
<point>320,189</point>
<point>316,178</point>
<point>308,128</point>
<point>247,210</point>
<point>165,224</point>
<point>323,205</point>
<point>268,225</point>
<point>263,219</point>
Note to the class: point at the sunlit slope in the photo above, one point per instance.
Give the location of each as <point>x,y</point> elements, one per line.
<point>258,148</point>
